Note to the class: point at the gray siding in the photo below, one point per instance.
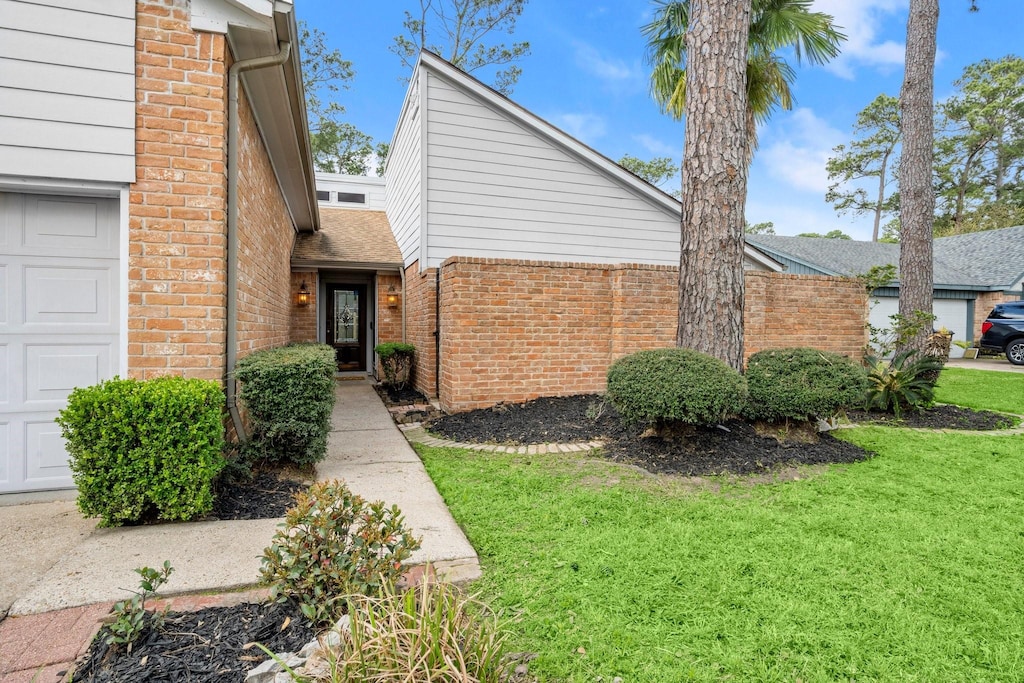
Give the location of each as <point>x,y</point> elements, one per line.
<point>404,173</point>
<point>498,189</point>
<point>67,89</point>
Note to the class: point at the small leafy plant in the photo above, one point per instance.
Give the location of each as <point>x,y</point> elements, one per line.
<point>333,543</point>
<point>130,615</point>
<point>396,363</point>
<point>431,632</point>
<point>902,383</point>
<point>802,384</point>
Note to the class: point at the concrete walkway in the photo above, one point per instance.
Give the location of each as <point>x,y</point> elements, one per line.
<point>52,562</point>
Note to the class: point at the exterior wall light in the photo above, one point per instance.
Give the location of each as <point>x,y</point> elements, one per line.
<point>303,299</point>
<point>392,297</point>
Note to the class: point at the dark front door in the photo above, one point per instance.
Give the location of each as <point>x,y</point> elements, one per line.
<point>346,325</point>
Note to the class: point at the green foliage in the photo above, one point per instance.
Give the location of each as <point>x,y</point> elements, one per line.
<point>775,27</point>
<point>905,382</point>
<point>332,544</point>
<point>657,171</point>
<point>871,156</point>
<point>663,386</point>
<point>802,384</point>
<point>428,633</point>
<point>884,341</point>
<point>144,450</point>
<point>831,234</point>
<point>763,228</point>
<point>289,395</point>
<point>457,30</point>
<point>130,615</point>
<point>396,362</point>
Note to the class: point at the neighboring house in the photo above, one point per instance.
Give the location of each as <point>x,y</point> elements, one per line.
<point>126,246</point>
<point>522,262</point>
<point>972,272</point>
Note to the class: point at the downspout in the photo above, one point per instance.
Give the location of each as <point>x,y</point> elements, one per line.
<point>231,343</point>
<point>437,332</point>
<point>402,273</point>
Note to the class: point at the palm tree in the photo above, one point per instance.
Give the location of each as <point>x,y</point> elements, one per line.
<point>774,25</point>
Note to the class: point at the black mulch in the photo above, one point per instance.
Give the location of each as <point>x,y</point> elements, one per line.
<point>400,397</point>
<point>207,646</point>
<point>731,448</point>
<point>939,417</point>
<point>266,496</point>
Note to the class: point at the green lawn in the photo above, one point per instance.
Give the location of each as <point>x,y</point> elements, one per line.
<point>982,389</point>
<point>905,567</point>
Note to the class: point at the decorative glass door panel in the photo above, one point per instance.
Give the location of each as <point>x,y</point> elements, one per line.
<point>346,325</point>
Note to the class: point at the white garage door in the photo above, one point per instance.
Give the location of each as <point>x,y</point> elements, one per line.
<point>949,313</point>
<point>58,325</point>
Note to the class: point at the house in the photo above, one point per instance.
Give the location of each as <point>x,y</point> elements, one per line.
<point>146,224</point>
<point>519,261</point>
<point>972,272</point>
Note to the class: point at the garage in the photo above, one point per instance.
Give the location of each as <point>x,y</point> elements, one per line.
<point>59,324</point>
<point>953,314</point>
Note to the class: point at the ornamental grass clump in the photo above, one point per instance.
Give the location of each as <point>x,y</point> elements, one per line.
<point>663,386</point>
<point>332,544</point>
<point>431,632</point>
<point>802,384</point>
<point>145,451</point>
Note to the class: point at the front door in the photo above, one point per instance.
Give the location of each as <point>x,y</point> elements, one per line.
<point>346,325</point>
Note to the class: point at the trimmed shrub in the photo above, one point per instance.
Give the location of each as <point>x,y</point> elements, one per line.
<point>396,362</point>
<point>333,543</point>
<point>145,450</point>
<point>289,395</point>
<point>802,384</point>
<point>674,385</point>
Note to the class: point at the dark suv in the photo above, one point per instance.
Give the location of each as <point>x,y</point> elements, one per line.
<point>1004,331</point>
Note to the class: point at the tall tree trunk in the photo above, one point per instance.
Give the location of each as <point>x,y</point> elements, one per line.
<point>917,199</point>
<point>714,180</point>
<point>881,197</point>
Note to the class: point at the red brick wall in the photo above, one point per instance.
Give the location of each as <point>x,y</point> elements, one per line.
<point>303,318</point>
<point>420,301</point>
<point>265,239</point>
<point>176,285</point>
<point>515,330</point>
<point>389,319</point>
<point>984,304</point>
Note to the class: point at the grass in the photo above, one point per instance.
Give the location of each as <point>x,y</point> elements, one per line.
<point>982,389</point>
<point>903,567</point>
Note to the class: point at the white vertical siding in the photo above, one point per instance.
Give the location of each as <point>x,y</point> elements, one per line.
<point>403,177</point>
<point>498,189</point>
<point>67,89</point>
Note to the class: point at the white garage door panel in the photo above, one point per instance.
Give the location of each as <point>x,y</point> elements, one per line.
<point>52,371</point>
<point>68,295</point>
<point>59,325</point>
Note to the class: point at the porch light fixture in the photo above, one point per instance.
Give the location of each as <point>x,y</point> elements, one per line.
<point>392,297</point>
<point>303,294</point>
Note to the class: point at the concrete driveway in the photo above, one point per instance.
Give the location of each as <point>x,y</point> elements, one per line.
<point>998,363</point>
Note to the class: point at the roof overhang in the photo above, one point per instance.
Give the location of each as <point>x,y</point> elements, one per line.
<point>253,29</point>
<point>303,264</point>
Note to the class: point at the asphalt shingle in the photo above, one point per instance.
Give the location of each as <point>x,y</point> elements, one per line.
<point>349,236</point>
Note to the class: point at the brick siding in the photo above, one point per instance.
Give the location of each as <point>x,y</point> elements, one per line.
<point>516,330</point>
<point>177,208</point>
<point>176,287</point>
<point>984,304</point>
<point>420,302</point>
<point>303,318</point>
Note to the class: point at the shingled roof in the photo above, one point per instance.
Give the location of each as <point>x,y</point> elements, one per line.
<point>983,260</point>
<point>349,238</point>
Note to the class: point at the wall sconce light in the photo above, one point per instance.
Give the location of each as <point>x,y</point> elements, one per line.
<point>392,297</point>
<point>303,294</point>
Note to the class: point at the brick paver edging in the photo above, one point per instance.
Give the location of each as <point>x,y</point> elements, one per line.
<point>417,434</point>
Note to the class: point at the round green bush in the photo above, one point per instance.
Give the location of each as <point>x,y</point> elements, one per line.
<point>662,386</point>
<point>802,384</point>
<point>145,450</point>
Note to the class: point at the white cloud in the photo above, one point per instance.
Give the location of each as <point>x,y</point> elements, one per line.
<point>583,126</point>
<point>613,71</point>
<point>795,148</point>
<point>658,148</point>
<point>862,21</point>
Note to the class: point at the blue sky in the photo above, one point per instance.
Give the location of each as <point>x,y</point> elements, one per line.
<point>586,74</point>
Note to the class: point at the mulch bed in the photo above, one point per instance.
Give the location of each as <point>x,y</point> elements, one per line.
<point>212,645</point>
<point>938,417</point>
<point>266,496</point>
<point>406,396</point>
<point>735,447</point>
